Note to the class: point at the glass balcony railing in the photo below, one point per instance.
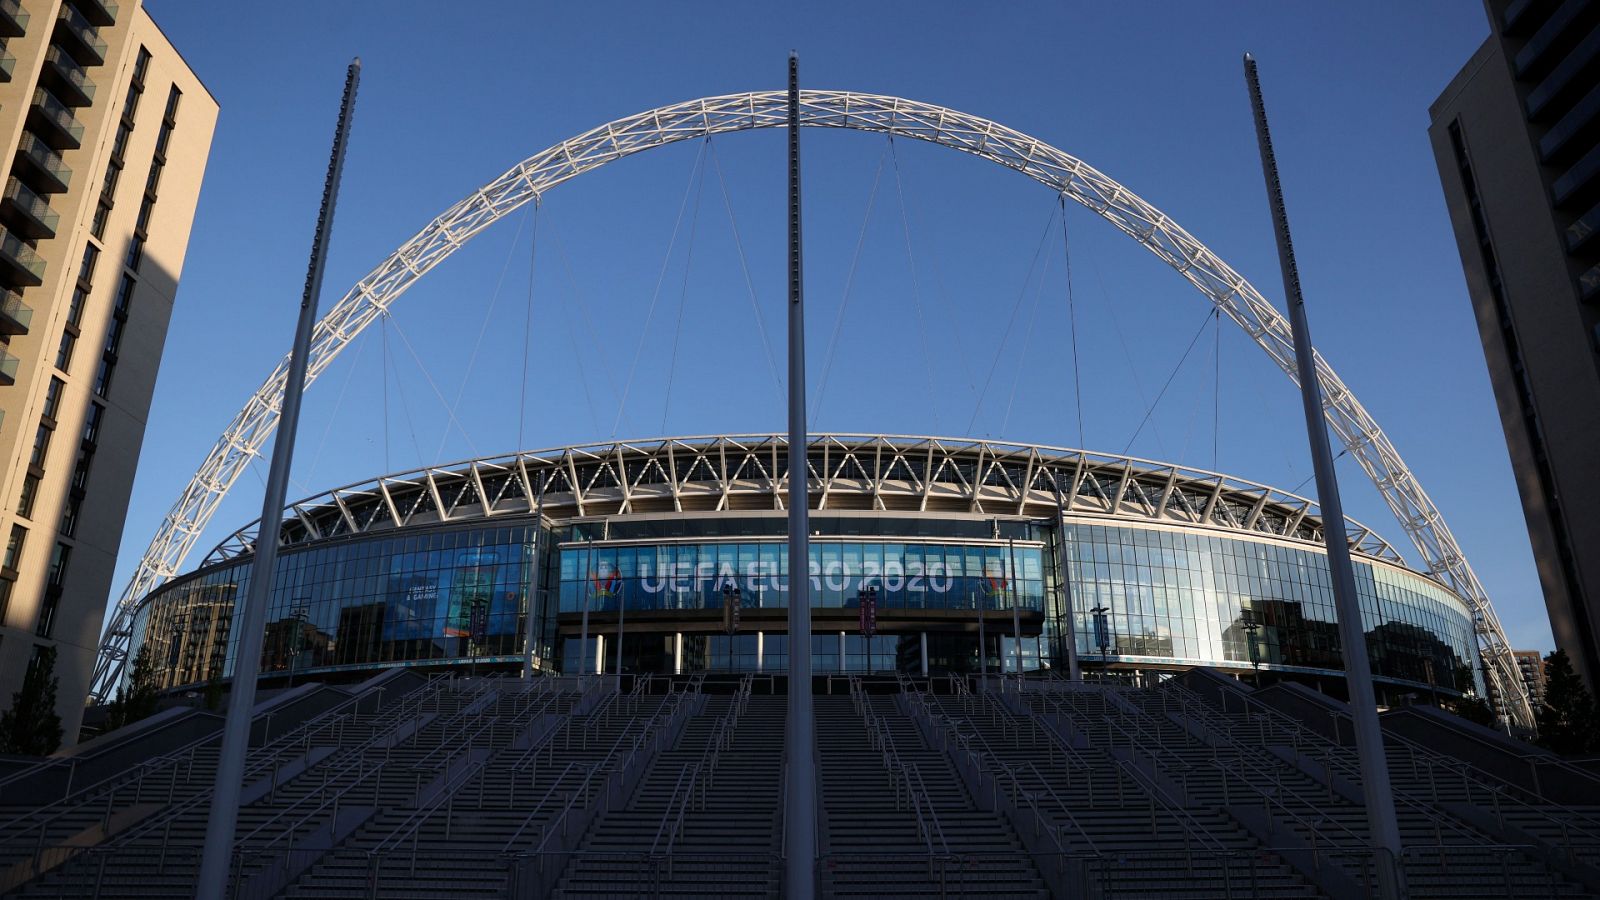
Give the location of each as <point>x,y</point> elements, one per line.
<point>13,21</point>
<point>8,368</point>
<point>8,64</point>
<point>15,316</point>
<point>30,213</point>
<point>83,39</point>
<point>54,122</point>
<point>52,175</point>
<point>70,82</point>
<point>21,259</point>
<point>99,12</point>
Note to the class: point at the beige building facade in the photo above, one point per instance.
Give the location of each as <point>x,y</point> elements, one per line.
<point>104,133</point>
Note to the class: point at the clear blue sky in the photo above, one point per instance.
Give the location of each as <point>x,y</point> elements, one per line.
<point>1150,93</point>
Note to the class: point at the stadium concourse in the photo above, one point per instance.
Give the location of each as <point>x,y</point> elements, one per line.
<point>415,785</point>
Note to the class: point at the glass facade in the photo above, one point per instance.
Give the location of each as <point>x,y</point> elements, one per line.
<point>1142,595</point>
<point>905,575</point>
<point>1156,595</point>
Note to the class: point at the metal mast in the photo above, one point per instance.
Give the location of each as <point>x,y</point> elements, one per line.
<point>800,813</point>
<point>1352,637</point>
<point>217,856</point>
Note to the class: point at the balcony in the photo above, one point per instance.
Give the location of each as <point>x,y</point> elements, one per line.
<point>8,64</point>
<point>48,174</point>
<point>13,21</point>
<point>15,316</point>
<point>67,80</point>
<point>98,12</point>
<point>52,121</point>
<point>19,261</point>
<point>8,369</point>
<point>79,38</point>
<point>28,213</point>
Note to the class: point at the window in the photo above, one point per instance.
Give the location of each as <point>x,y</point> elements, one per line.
<point>91,255</point>
<point>19,536</point>
<point>173,96</point>
<point>58,564</point>
<point>102,377</point>
<point>30,492</point>
<point>91,424</point>
<point>125,293</point>
<point>69,342</point>
<point>47,613</point>
<point>141,65</point>
<point>41,445</point>
<point>135,252</point>
<point>69,516</point>
<point>52,397</point>
<point>114,334</point>
<point>80,470</point>
<point>5,597</point>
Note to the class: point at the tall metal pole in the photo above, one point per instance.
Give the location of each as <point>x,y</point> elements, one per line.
<point>535,582</point>
<point>1016,607</point>
<point>1352,637</point>
<point>583,634</point>
<point>800,813</point>
<point>621,618</point>
<point>212,883</point>
<point>1064,568</point>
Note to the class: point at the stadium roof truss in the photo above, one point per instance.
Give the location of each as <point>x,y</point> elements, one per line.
<point>1232,295</point>
<point>911,474</point>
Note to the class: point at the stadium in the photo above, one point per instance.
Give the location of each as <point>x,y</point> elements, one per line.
<point>1138,567</point>
<point>1035,671</point>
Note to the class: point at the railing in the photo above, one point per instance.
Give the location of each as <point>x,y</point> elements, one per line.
<point>44,158</point>
<point>1424,766</point>
<point>695,781</point>
<point>19,251</point>
<point>74,23</point>
<point>31,203</point>
<point>262,762</point>
<point>904,774</point>
<point>57,113</point>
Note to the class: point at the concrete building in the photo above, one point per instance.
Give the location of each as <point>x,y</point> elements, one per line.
<point>1531,664</point>
<point>105,133</point>
<point>1517,139</point>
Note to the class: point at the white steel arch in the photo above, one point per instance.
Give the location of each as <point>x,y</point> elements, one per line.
<point>1227,289</point>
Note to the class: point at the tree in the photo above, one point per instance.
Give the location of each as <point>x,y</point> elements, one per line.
<point>139,698</point>
<point>1568,723</point>
<point>1475,710</point>
<point>31,725</point>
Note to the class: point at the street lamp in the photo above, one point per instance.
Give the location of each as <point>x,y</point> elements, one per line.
<point>1102,637</point>
<point>1251,626</point>
<point>867,598</point>
<point>298,615</point>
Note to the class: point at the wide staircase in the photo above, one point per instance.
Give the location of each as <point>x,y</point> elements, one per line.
<point>1129,832</point>
<point>899,822</point>
<point>705,818</point>
<point>1452,817</point>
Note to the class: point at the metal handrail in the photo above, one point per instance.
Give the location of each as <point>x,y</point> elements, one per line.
<point>952,733</point>
<point>881,739</point>
<point>721,737</point>
<point>134,776</point>
<point>651,731</point>
<point>1331,756</point>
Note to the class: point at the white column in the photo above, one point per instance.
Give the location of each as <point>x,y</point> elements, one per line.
<point>677,654</point>
<point>841,652</point>
<point>924,637</point>
<point>761,650</point>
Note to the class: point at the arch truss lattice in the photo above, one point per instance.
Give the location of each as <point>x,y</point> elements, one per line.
<point>528,180</point>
